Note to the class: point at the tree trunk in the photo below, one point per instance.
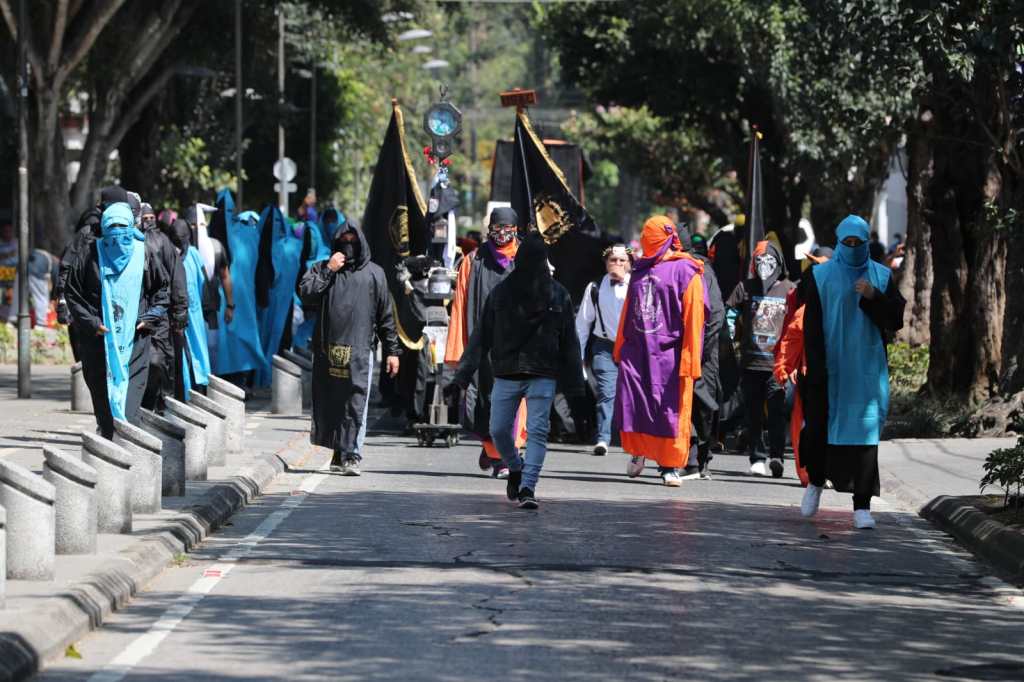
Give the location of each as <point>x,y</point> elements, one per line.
<point>139,152</point>
<point>914,277</point>
<point>49,179</point>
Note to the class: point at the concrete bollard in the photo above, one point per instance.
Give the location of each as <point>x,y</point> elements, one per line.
<point>192,420</point>
<point>76,505</point>
<point>285,387</point>
<point>81,399</point>
<point>147,466</point>
<point>172,452</point>
<point>113,467</point>
<point>232,399</point>
<point>306,365</point>
<point>216,427</point>
<point>29,502</point>
<point>3,555</point>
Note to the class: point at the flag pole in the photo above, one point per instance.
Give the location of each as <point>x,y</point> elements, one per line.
<point>522,155</point>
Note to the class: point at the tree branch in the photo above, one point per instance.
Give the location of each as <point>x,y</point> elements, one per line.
<point>60,25</point>
<point>139,104</point>
<point>79,47</point>
<point>33,57</point>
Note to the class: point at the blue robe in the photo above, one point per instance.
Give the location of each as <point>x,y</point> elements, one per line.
<point>121,278</point>
<point>239,349</point>
<point>285,255</point>
<point>195,333</point>
<point>318,251</point>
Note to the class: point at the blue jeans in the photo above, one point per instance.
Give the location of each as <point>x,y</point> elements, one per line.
<point>505,398</point>
<point>606,374</point>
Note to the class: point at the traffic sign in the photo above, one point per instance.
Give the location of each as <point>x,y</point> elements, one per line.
<point>289,187</point>
<point>285,167</point>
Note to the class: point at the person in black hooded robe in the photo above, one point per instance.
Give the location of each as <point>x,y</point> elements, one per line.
<point>353,307</point>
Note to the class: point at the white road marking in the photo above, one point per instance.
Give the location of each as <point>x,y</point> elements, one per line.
<point>147,643</point>
<point>9,451</point>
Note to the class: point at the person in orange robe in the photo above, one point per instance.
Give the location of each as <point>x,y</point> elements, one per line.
<point>790,360</point>
<point>658,349</point>
<point>479,272</point>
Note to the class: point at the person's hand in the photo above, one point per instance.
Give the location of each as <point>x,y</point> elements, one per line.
<point>792,377</point>
<point>141,326</point>
<point>101,330</point>
<point>451,391</point>
<point>392,363</point>
<point>865,289</point>
<point>336,263</point>
<point>229,314</point>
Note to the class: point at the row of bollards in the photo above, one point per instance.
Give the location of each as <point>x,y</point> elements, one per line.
<point>291,386</point>
<point>100,490</point>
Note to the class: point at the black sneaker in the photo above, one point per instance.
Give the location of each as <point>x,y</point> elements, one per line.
<point>526,499</point>
<point>483,461</point>
<point>336,462</point>
<point>690,473</point>
<point>512,487</point>
<point>776,467</point>
<point>350,467</point>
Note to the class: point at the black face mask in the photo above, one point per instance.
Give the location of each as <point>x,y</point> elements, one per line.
<point>349,249</point>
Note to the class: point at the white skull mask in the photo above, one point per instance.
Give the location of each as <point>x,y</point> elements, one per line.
<point>766,265</point>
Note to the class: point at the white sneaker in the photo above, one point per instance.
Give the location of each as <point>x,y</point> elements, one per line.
<point>862,519</point>
<point>635,466</point>
<point>812,499</point>
<point>601,449</point>
<point>672,479</point>
<point>759,468</point>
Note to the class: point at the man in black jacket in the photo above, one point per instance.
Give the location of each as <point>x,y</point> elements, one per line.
<point>529,332</point>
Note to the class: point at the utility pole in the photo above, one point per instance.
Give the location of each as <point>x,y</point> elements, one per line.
<point>239,95</point>
<point>312,126</point>
<point>282,193</point>
<point>24,331</point>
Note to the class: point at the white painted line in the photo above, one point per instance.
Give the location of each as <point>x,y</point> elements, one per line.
<point>144,645</point>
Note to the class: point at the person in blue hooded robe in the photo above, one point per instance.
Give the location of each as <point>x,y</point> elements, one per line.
<point>116,292</point>
<point>853,309</point>
<point>276,278</point>
<point>195,355</point>
<point>240,350</point>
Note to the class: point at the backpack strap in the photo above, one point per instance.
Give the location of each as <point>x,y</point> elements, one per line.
<point>595,291</point>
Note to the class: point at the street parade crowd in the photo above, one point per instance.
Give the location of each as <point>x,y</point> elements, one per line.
<point>156,302</point>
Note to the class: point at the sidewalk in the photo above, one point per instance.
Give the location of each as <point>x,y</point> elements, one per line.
<point>42,618</point>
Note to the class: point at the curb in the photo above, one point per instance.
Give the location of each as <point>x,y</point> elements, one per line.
<point>61,620</point>
<point>999,545</point>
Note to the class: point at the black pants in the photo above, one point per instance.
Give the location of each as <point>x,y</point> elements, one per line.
<point>94,371</point>
<point>702,426</point>
<point>852,469</point>
<point>760,389</point>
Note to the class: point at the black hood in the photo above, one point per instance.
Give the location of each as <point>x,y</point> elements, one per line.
<point>112,195</point>
<point>779,273</point>
<point>351,225</point>
<point>180,234</point>
<point>529,284</point>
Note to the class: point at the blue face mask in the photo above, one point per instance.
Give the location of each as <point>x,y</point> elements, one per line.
<point>852,256</point>
<point>118,239</point>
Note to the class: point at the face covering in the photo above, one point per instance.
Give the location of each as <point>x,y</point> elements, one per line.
<point>502,235</point>
<point>766,265</point>
<point>852,256</point>
<point>118,238</point>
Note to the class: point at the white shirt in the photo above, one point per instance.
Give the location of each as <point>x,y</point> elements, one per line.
<point>610,299</point>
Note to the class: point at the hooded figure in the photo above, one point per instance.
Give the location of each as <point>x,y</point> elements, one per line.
<point>528,332</point>
<point>165,335</point>
<point>350,299</point>
<point>276,274</point>
<point>761,301</point>
<point>479,273</point>
<point>240,349</point>
<point>707,389</point>
<point>116,293</point>
<point>852,310</point>
<point>658,349</point>
<point>195,355</point>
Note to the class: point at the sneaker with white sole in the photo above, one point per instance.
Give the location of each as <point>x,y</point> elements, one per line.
<point>777,468</point>
<point>812,500</point>
<point>350,467</point>
<point>601,449</point>
<point>690,473</point>
<point>758,468</point>
<point>862,519</point>
<point>672,479</point>
<point>635,466</point>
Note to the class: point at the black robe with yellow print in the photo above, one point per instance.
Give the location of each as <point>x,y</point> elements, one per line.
<point>353,308</point>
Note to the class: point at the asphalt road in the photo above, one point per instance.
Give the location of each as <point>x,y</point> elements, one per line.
<point>421,570</point>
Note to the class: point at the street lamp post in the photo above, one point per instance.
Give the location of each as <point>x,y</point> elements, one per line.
<point>24,331</point>
<point>239,94</point>
<point>282,190</point>
<point>312,126</point>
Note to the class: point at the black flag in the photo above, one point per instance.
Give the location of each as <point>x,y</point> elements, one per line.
<point>755,201</point>
<point>395,220</point>
<point>542,199</point>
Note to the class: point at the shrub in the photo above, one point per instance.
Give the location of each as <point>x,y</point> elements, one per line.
<point>1005,468</point>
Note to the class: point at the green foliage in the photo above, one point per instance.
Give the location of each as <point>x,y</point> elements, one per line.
<point>8,342</point>
<point>908,367</point>
<point>1005,468</point>
<point>188,172</point>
